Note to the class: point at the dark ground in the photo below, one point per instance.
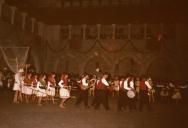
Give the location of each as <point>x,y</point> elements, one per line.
<point>51,116</point>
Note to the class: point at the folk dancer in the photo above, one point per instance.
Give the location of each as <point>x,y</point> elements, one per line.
<point>137,88</point>
<point>116,86</point>
<point>34,86</point>
<point>92,82</point>
<point>129,88</point>
<point>143,94</point>
<point>102,93</point>
<point>95,92</point>
<point>121,103</point>
<point>51,84</point>
<point>151,92</point>
<point>41,87</point>
<point>17,86</point>
<point>84,86</point>
<point>27,86</point>
<point>64,91</point>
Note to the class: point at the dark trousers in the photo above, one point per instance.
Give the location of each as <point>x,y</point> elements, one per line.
<point>94,98</point>
<point>143,100</point>
<point>83,97</point>
<point>121,103</point>
<point>132,103</point>
<point>102,98</point>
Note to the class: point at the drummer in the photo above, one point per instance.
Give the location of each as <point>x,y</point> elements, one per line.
<point>143,94</point>
<point>130,90</point>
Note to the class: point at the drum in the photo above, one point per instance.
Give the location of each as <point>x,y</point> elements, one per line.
<point>131,94</point>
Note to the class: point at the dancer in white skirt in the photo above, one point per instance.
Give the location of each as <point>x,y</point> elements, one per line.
<point>51,87</point>
<point>34,86</point>
<point>17,86</point>
<point>27,86</point>
<point>41,87</point>
<point>64,92</point>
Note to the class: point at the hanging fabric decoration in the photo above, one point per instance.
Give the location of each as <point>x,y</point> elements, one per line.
<point>15,57</point>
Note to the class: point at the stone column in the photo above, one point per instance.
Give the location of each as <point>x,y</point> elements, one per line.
<point>13,10</point>
<point>23,19</point>
<point>40,28</point>
<point>33,20</point>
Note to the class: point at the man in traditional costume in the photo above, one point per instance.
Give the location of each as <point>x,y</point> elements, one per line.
<point>102,92</point>
<point>84,86</point>
<point>145,87</point>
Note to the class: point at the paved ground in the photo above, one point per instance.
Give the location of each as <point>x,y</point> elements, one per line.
<point>51,116</point>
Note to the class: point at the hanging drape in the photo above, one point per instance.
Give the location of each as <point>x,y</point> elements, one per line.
<point>15,57</point>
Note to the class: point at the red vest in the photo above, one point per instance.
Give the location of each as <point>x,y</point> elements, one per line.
<point>100,85</point>
<point>143,85</point>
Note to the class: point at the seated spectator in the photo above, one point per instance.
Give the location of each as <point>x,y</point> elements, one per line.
<point>176,95</point>
<point>164,94</point>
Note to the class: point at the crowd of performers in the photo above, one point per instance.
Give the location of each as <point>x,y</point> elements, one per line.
<point>30,87</point>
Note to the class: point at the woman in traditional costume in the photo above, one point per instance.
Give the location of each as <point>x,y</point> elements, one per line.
<point>28,88</point>
<point>64,92</point>
<point>34,86</point>
<point>18,86</point>
<point>51,87</point>
<point>41,87</point>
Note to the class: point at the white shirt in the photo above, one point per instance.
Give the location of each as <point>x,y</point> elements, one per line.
<point>49,83</point>
<point>103,80</point>
<point>84,82</point>
<point>120,82</point>
<point>61,83</point>
<point>132,84</point>
<point>148,85</point>
<point>125,85</point>
<point>18,78</point>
